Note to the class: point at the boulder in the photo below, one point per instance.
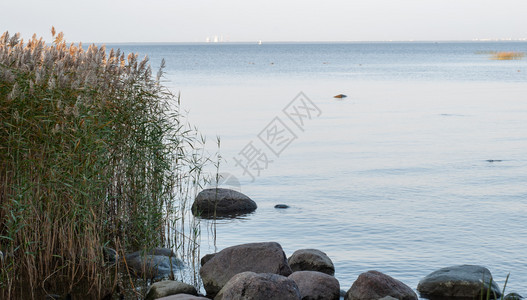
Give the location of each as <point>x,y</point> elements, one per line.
<point>222,202</point>
<point>462,281</point>
<point>183,297</point>
<point>155,264</point>
<point>311,260</point>
<point>264,286</point>
<point>255,257</point>
<point>169,287</point>
<point>206,258</point>
<point>315,285</point>
<point>376,285</point>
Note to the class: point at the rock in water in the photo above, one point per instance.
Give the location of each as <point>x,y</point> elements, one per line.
<point>311,260</point>
<point>154,264</point>
<point>315,285</point>
<point>168,288</point>
<point>376,285</point>
<point>222,202</point>
<point>462,281</point>
<point>266,286</point>
<point>255,257</point>
<point>281,206</point>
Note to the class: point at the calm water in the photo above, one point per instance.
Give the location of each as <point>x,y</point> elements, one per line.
<point>396,176</point>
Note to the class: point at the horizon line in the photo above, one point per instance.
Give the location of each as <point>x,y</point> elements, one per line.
<point>316,42</point>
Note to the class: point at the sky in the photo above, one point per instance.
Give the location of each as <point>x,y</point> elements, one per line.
<point>267,20</point>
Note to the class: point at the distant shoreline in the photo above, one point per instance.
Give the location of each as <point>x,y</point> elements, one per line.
<point>311,42</point>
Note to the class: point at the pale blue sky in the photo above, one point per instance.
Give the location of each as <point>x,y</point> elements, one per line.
<point>266,20</point>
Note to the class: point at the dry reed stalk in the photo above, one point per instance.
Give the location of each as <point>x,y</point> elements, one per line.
<point>92,154</point>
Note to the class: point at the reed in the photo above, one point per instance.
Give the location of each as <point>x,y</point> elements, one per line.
<point>94,153</point>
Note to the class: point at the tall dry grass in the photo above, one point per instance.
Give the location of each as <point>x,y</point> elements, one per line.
<point>93,153</point>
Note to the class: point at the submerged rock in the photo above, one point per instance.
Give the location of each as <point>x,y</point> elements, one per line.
<point>281,206</point>
<point>156,264</point>
<point>462,281</point>
<point>266,286</point>
<point>255,257</point>
<point>376,285</point>
<point>311,260</point>
<point>222,202</point>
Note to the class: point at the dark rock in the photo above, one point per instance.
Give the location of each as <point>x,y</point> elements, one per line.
<point>315,285</point>
<point>340,96</point>
<point>463,281</point>
<point>376,285</point>
<point>156,264</point>
<point>222,202</point>
<point>168,288</point>
<point>255,257</point>
<point>281,206</point>
<point>183,297</point>
<point>265,286</point>
<point>311,260</point>
<point>513,296</point>
<point>110,255</point>
<point>206,258</point>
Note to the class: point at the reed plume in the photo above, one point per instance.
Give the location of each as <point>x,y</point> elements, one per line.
<point>94,153</point>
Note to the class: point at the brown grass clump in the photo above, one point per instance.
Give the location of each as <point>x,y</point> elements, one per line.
<point>507,55</point>
<point>92,154</point>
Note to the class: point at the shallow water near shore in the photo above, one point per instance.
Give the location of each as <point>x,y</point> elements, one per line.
<point>422,166</point>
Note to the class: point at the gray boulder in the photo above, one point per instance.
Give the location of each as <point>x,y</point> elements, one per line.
<point>155,264</point>
<point>311,260</point>
<point>183,297</point>
<point>206,258</point>
<point>315,285</point>
<point>167,288</point>
<point>222,202</point>
<point>252,286</point>
<point>255,257</point>
<point>376,285</point>
<point>462,281</point>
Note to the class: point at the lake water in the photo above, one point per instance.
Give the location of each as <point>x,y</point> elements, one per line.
<point>422,166</point>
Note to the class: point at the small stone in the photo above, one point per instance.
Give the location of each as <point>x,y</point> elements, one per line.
<point>281,206</point>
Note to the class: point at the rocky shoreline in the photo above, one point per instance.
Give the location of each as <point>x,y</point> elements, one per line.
<point>261,271</point>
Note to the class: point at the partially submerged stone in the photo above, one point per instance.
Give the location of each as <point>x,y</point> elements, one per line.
<point>156,264</point>
<point>376,285</point>
<point>222,202</point>
<point>311,260</point>
<point>461,281</point>
<point>266,286</point>
<point>315,285</point>
<point>255,257</point>
<point>168,288</point>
